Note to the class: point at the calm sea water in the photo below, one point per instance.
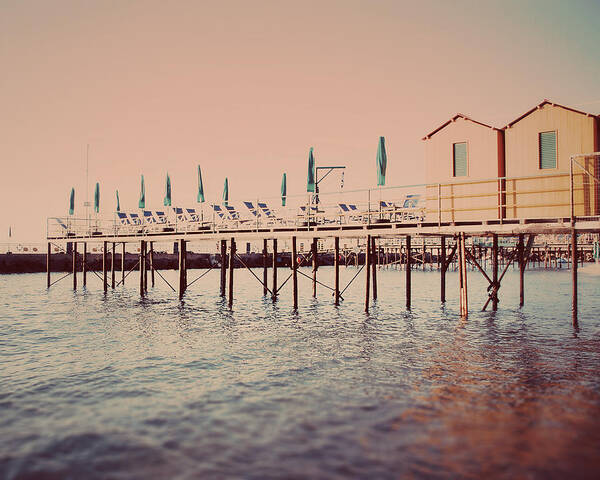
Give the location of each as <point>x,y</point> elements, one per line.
<point>96,386</point>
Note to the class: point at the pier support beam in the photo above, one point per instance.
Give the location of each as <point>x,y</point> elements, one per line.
<point>182,267</point>
<point>265,267</point>
<point>142,262</point>
<point>295,272</point>
<point>408,271</point>
<point>104,267</point>
<point>368,270</point>
<point>495,285</point>
<point>521,261</point>
<point>336,263</point>
<point>374,262</point>
<point>315,266</point>
<point>74,255</point>
<point>574,276</point>
<point>123,265</point>
<point>231,268</point>
<point>145,266</point>
<point>48,265</point>
<point>152,264</point>
<point>84,264</point>
<point>462,260</point>
<point>274,289</point>
<point>223,267</point>
<point>442,263</point>
<point>112,265</point>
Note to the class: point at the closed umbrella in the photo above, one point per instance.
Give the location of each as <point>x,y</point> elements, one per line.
<point>283,190</point>
<point>72,202</point>
<point>142,202</point>
<point>97,198</point>
<point>381,162</point>
<point>200,198</point>
<point>310,184</point>
<point>118,203</point>
<point>226,192</point>
<point>167,200</point>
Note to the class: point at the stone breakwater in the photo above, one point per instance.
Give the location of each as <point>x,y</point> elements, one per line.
<point>62,262</point>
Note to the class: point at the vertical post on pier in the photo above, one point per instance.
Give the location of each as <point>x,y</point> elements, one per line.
<point>48,264</point>
<point>574,275</point>
<point>223,266</point>
<point>442,261</point>
<point>182,280</point>
<point>112,265</point>
<point>464,299</point>
<point>295,272</point>
<point>336,263</point>
<point>423,255</point>
<point>368,270</point>
<point>521,258</point>
<point>152,263</point>
<point>74,255</point>
<point>495,272</point>
<point>374,262</point>
<point>265,267</point>
<point>408,271</point>
<point>274,289</point>
<point>142,262</point>
<point>315,265</point>
<point>84,264</point>
<point>145,266</point>
<point>104,267</point>
<point>231,265</point>
<point>123,265</point>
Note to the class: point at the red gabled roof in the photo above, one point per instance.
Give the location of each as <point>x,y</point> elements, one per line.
<point>453,119</point>
<point>546,102</point>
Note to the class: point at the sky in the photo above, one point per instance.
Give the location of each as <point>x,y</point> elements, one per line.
<point>244,89</point>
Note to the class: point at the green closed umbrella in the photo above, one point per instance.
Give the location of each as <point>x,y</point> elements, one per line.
<point>200,198</point>
<point>118,203</point>
<point>381,162</point>
<point>310,184</point>
<point>283,190</point>
<point>226,192</point>
<point>142,202</point>
<point>167,200</point>
<point>97,198</point>
<point>72,202</point>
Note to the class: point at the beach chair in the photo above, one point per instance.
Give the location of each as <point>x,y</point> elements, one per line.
<point>191,215</point>
<point>252,209</point>
<point>349,212</point>
<point>412,208</point>
<point>232,213</point>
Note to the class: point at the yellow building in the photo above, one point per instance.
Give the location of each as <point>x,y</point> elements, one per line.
<point>463,160</point>
<point>541,142</point>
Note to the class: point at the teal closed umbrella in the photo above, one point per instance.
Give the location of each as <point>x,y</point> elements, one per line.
<point>226,192</point>
<point>283,190</point>
<point>200,198</point>
<point>72,202</point>
<point>142,202</point>
<point>118,203</point>
<point>167,200</point>
<point>97,198</point>
<point>381,162</point>
<point>310,183</point>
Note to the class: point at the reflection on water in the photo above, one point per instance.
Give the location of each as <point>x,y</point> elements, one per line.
<point>97,386</point>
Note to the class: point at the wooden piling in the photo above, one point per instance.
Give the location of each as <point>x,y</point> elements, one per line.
<point>145,266</point>
<point>231,265</point>
<point>368,270</point>
<point>123,265</point>
<point>84,265</point>
<point>223,267</point>
<point>336,263</point>
<point>48,265</point>
<point>142,267</point>
<point>104,267</point>
<point>442,262</point>
<point>295,272</point>
<point>74,255</point>
<point>374,262</point>
<point>408,272</point>
<point>265,267</point>
<point>574,276</point>
<point>521,261</point>
<point>152,264</point>
<point>274,289</point>
<point>182,276</point>
<point>112,266</point>
<point>464,299</point>
<point>315,266</point>
<point>495,285</point>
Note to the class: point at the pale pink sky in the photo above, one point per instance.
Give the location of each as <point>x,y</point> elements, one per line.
<point>245,88</point>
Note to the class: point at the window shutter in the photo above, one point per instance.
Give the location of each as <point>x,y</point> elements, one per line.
<point>460,159</point>
<point>548,150</point>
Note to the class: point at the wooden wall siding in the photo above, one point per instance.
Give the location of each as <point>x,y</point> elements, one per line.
<point>482,163</point>
<point>575,134</point>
